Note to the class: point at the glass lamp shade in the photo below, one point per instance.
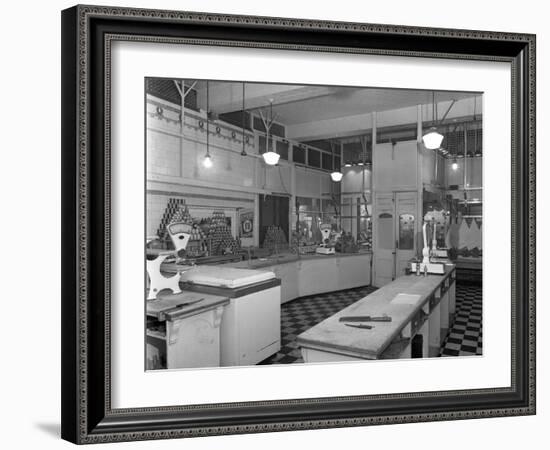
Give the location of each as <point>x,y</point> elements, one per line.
<point>207,161</point>
<point>271,158</point>
<point>432,139</point>
<point>336,176</point>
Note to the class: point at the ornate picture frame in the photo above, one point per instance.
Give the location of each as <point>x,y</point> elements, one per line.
<point>88,33</point>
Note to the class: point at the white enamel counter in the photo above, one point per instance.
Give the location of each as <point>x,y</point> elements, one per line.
<point>315,274</point>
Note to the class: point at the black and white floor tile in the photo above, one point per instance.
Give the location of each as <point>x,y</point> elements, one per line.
<point>465,336</point>
<point>297,316</point>
<point>303,313</point>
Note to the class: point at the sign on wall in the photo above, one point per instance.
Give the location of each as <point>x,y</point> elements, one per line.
<point>246,229</point>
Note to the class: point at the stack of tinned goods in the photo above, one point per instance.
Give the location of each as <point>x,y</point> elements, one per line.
<point>182,215</point>
<point>221,240</point>
<point>275,238</point>
<point>197,245</point>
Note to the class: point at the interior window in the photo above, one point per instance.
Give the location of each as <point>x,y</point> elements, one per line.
<point>385,231</point>
<point>406,231</point>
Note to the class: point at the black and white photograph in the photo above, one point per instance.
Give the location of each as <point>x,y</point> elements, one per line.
<point>275,225</point>
<point>298,223</point>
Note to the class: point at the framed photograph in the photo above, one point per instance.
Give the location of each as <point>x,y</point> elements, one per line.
<point>281,224</point>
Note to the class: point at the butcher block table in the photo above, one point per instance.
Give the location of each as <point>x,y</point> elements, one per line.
<point>417,305</point>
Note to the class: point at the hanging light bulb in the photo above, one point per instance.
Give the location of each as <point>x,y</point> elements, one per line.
<point>454,164</point>
<point>207,161</point>
<point>271,158</point>
<point>432,139</point>
<point>336,176</point>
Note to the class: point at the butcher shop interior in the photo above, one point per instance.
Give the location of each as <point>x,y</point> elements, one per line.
<point>295,224</point>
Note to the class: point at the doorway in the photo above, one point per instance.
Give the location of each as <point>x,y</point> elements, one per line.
<point>395,234</point>
<point>274,212</point>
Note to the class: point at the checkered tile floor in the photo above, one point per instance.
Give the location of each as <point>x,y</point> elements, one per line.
<point>465,336</point>
<point>301,314</point>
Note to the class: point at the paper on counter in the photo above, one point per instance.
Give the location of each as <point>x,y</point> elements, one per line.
<point>405,299</point>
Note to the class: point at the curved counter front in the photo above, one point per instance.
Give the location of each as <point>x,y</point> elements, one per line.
<point>315,274</point>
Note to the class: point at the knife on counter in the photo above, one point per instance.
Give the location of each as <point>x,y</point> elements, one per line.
<point>365,319</point>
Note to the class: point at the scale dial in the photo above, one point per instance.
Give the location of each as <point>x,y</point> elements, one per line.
<point>179,227</point>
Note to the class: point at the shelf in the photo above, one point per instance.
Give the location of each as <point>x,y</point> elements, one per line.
<point>157,334</point>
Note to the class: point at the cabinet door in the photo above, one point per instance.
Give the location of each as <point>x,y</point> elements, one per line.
<point>288,274</point>
<point>354,271</point>
<point>259,319</point>
<point>318,275</point>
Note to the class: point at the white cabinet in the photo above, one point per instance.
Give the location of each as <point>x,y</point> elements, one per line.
<point>353,272</point>
<point>318,275</point>
<point>251,324</point>
<point>288,274</point>
<point>251,328</point>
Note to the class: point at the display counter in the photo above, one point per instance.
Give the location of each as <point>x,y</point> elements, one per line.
<point>314,274</point>
<point>305,275</point>
<point>417,305</point>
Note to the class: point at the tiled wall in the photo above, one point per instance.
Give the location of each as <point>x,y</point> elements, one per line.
<point>239,177</point>
<point>156,206</point>
<point>163,154</point>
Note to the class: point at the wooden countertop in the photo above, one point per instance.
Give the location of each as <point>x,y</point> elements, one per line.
<point>334,336</point>
<point>184,304</point>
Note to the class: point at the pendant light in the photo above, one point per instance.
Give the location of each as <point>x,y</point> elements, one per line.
<point>243,152</point>
<point>432,139</point>
<point>271,157</point>
<point>454,164</point>
<point>207,161</point>
<point>336,175</point>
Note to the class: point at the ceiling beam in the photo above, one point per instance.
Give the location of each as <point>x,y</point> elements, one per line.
<point>227,97</point>
<point>343,127</point>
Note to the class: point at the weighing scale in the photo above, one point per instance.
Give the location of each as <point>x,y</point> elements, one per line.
<point>326,248</point>
<point>180,233</point>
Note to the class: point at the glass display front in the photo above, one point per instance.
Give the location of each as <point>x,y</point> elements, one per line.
<point>406,231</point>
<point>385,231</point>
